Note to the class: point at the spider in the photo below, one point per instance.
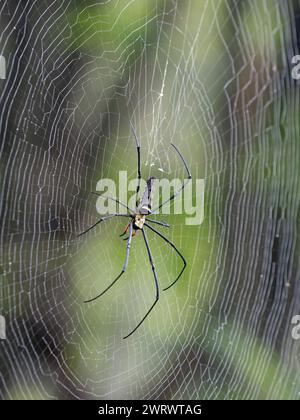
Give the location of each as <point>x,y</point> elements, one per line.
<point>138,221</point>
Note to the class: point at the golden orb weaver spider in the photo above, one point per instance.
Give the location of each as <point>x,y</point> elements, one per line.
<point>138,222</point>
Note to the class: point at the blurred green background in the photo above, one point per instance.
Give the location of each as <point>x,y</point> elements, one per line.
<point>213,77</point>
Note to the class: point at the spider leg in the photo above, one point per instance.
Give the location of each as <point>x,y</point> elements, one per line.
<point>125,231</point>
<point>156,285</point>
<point>123,269</point>
<point>158,222</point>
<point>138,148</point>
<point>133,235</point>
<point>174,247</point>
<point>113,199</point>
<point>102,220</point>
<point>184,183</point>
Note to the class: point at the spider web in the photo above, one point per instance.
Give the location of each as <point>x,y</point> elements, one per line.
<point>214,78</point>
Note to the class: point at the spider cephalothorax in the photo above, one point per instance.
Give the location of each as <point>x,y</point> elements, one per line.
<point>137,222</point>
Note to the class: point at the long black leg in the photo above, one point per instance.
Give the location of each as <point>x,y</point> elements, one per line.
<point>174,247</point>
<point>156,285</point>
<point>158,222</point>
<point>125,231</point>
<point>183,185</point>
<point>138,148</point>
<point>102,220</point>
<point>123,269</point>
<point>113,199</point>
